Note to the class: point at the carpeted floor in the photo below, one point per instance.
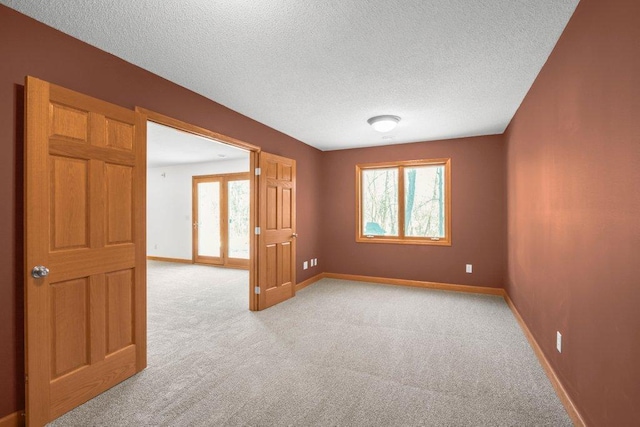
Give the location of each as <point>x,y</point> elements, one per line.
<point>339,353</point>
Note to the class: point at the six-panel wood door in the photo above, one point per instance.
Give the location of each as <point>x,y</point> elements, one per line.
<point>277,239</point>
<point>85,166</point>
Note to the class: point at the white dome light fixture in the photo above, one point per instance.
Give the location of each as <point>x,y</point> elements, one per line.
<point>384,123</point>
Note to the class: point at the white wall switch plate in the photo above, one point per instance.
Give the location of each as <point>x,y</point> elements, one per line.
<point>305,265</point>
<point>469,268</point>
<point>559,342</point>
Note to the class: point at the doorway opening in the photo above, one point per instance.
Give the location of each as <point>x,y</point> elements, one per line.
<point>201,199</point>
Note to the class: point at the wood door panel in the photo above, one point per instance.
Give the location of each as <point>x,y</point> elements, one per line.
<point>278,220</point>
<point>119,309</point>
<point>285,263</point>
<point>69,326</point>
<point>287,215</point>
<point>120,135</point>
<point>59,95</point>
<point>84,263</point>
<point>85,171</point>
<point>281,235</point>
<point>271,260</point>
<point>272,208</point>
<point>271,169</point>
<point>67,122</point>
<point>69,391</point>
<point>278,266</point>
<point>286,172</point>
<point>119,189</point>
<point>279,293</point>
<point>73,149</point>
<point>280,183</point>
<point>69,198</point>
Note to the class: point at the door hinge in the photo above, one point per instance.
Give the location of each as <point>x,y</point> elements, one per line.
<point>257,171</point>
<point>257,232</point>
<point>256,290</point>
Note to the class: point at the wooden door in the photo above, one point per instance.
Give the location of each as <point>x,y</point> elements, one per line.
<point>85,166</point>
<point>277,239</point>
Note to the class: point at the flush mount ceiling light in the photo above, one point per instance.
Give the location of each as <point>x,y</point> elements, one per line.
<point>384,123</point>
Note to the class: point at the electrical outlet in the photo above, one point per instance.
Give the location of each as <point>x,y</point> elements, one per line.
<point>315,261</point>
<point>469,268</point>
<point>559,342</point>
<point>305,265</point>
<point>155,246</point>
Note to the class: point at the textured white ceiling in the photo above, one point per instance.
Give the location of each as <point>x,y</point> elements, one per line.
<point>317,70</point>
<point>167,146</point>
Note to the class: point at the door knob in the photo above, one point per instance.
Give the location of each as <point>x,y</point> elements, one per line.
<point>39,271</point>
<point>294,235</point>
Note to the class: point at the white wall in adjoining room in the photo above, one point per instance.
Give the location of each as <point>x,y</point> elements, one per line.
<point>169,208</point>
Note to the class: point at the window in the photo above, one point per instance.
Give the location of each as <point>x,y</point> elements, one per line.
<point>404,202</point>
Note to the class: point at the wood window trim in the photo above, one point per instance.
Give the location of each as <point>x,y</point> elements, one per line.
<point>401,239</point>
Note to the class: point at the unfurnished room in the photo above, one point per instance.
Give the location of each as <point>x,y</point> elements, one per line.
<point>320,213</point>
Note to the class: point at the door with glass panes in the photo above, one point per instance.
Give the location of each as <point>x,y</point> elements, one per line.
<point>221,217</point>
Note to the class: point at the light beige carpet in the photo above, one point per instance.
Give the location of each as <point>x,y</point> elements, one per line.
<point>339,353</point>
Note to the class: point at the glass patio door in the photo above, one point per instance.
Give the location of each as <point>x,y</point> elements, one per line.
<point>221,214</point>
<point>207,236</point>
<point>238,192</point>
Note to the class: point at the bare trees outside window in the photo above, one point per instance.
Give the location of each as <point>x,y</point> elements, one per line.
<point>404,202</point>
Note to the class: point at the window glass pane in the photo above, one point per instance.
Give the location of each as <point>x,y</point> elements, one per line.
<point>209,219</point>
<point>424,201</point>
<point>239,219</point>
<point>380,202</point>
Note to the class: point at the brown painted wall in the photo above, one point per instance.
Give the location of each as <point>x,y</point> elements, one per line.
<point>574,210</point>
<point>478,215</point>
<point>31,48</point>
<point>572,155</point>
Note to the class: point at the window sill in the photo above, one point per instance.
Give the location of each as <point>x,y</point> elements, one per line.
<point>410,241</point>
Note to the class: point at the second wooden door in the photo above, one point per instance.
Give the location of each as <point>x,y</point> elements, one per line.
<point>277,239</point>
<point>85,286</point>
